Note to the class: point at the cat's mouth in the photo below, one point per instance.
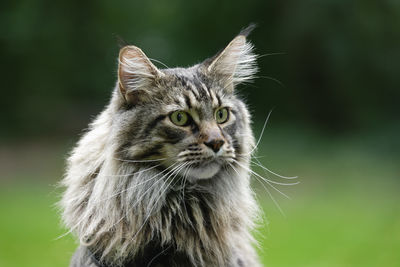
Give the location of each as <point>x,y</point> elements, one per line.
<point>203,170</point>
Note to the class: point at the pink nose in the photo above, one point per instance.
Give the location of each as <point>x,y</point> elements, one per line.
<point>215,144</point>
<point>212,137</point>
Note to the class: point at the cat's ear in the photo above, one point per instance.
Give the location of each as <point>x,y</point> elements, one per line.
<point>136,74</point>
<point>236,63</point>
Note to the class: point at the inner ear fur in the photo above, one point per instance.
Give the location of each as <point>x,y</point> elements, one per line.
<point>136,74</point>
<point>236,63</point>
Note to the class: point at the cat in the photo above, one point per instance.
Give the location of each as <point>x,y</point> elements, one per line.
<point>161,177</point>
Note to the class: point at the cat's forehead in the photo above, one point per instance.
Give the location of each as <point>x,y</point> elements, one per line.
<point>191,89</point>
<point>186,78</point>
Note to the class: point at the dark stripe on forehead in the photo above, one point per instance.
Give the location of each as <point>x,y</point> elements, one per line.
<point>195,92</point>
<point>207,88</point>
<point>200,89</point>
<point>181,80</point>
<point>187,101</point>
<point>184,82</point>
<point>219,99</point>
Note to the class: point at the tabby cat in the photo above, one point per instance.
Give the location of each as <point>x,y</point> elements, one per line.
<point>161,177</point>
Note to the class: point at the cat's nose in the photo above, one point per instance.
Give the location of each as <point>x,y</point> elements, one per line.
<point>212,137</point>
<point>215,144</point>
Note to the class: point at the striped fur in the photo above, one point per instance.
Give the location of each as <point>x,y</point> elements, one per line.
<point>143,191</point>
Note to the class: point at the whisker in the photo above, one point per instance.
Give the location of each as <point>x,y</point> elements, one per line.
<point>261,134</point>
<point>142,182</point>
<point>276,174</point>
<point>116,194</point>
<point>155,203</point>
<point>267,190</point>
<point>272,197</point>
<point>140,198</point>
<point>264,179</point>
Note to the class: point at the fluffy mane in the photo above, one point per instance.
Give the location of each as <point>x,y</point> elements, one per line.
<point>119,205</point>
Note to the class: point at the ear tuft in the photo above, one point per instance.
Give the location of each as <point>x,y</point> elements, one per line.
<point>135,72</point>
<point>246,31</point>
<point>236,63</point>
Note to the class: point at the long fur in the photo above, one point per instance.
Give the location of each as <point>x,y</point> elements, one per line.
<point>118,203</point>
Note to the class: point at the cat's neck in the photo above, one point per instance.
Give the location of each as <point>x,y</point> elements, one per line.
<point>191,221</point>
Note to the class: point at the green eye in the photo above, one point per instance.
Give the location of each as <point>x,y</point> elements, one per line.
<point>180,118</point>
<point>222,115</point>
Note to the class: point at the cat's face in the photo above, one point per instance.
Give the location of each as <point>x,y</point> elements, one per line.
<point>187,120</point>
<point>206,124</point>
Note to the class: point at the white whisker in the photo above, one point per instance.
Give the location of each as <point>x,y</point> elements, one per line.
<point>274,173</point>
<point>140,198</point>
<point>72,228</point>
<point>261,134</point>
<point>160,195</point>
<point>264,179</point>
<point>142,182</point>
<point>268,192</point>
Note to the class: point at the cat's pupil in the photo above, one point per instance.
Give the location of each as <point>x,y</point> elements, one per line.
<point>220,114</point>
<point>179,117</point>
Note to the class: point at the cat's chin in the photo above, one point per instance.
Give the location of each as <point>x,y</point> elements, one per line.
<point>206,171</point>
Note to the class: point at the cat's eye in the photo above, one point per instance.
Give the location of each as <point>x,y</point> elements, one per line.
<point>180,118</point>
<point>221,115</point>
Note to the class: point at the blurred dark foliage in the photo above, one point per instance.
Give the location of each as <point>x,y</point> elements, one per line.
<point>337,67</point>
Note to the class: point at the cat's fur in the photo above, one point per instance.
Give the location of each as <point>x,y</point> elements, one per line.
<point>124,199</point>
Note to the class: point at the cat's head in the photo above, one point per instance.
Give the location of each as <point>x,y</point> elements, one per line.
<point>189,119</point>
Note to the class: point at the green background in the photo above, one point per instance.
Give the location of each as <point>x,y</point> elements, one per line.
<point>328,69</point>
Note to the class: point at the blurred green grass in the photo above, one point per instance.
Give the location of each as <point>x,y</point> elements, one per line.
<point>345,211</point>
<point>30,226</point>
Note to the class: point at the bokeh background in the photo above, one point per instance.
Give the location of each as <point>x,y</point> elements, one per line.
<point>328,69</point>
